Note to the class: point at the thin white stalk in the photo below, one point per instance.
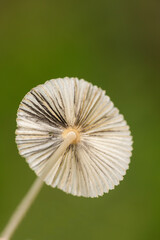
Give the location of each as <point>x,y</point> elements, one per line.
<point>29,198</point>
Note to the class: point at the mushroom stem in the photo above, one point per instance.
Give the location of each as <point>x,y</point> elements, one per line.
<point>29,198</point>
<point>21,210</point>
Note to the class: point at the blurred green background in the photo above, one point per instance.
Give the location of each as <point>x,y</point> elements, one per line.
<point>115,45</point>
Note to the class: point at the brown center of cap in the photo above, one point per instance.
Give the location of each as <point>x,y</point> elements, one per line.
<point>72,129</point>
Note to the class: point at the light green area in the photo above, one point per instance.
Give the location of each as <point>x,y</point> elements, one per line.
<point>115,45</point>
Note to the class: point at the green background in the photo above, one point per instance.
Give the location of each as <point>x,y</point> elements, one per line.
<point>115,45</point>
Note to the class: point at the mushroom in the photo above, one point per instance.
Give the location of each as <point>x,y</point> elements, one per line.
<point>73,138</point>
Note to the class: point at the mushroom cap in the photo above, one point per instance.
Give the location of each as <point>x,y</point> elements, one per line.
<point>98,160</point>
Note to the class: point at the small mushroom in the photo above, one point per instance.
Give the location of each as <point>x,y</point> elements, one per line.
<point>99,156</point>
<point>73,138</point>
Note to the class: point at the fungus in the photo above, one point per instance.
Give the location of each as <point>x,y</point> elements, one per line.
<point>73,138</point>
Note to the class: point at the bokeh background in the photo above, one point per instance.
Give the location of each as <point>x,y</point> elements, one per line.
<point>115,45</point>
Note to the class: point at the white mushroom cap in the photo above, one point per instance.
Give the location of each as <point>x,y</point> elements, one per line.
<point>98,159</point>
